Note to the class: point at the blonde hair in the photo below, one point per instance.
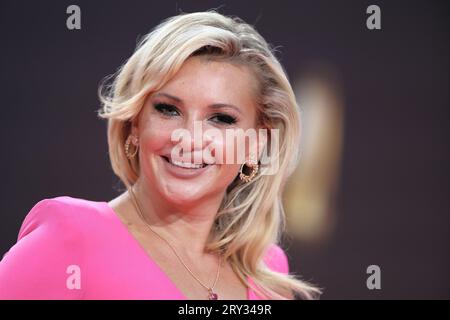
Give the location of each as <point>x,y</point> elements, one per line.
<point>251,217</point>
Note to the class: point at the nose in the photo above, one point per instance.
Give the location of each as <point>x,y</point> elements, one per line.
<point>191,141</point>
<point>195,137</point>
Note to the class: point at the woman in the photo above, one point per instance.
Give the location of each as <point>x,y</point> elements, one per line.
<point>188,226</point>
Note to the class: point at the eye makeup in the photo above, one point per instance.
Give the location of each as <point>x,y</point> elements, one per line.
<point>224,118</point>
<point>166,109</point>
<point>169,110</point>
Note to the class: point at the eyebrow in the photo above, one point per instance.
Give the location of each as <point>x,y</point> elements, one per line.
<point>214,106</point>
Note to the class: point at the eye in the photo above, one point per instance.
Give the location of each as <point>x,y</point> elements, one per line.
<point>166,109</point>
<point>224,119</point>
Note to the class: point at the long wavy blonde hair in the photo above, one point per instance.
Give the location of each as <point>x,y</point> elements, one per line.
<point>251,216</point>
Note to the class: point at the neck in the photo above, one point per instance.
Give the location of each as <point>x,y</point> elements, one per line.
<point>186,227</point>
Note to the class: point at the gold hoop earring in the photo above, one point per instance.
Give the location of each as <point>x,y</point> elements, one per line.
<point>127,146</point>
<point>252,164</point>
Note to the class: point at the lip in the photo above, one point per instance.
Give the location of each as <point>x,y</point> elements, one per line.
<point>183,172</point>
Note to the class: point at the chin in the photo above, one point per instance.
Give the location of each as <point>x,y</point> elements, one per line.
<point>185,183</point>
<point>183,196</point>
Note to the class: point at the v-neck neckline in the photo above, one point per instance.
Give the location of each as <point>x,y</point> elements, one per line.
<point>137,244</point>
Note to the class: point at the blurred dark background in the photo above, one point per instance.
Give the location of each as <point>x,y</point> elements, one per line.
<point>392,203</point>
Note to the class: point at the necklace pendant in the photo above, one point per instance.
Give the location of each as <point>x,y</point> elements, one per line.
<point>212,295</point>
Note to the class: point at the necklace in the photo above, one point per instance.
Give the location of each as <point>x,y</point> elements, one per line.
<point>211,294</point>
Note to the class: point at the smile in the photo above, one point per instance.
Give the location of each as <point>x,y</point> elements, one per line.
<point>185,165</point>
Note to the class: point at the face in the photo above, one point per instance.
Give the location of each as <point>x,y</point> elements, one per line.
<point>205,95</point>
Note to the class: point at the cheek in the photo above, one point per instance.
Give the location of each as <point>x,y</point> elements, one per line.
<point>232,148</point>
<point>231,171</point>
<point>155,135</point>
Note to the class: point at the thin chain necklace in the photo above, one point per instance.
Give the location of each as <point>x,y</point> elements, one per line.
<point>211,294</point>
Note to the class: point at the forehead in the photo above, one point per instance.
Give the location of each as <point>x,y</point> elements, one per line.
<point>212,81</point>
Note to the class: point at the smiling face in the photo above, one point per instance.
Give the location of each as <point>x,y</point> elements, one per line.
<point>211,95</point>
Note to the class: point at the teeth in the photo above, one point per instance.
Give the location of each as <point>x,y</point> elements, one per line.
<point>186,164</point>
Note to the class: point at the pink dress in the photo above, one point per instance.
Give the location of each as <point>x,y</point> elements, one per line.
<point>70,248</point>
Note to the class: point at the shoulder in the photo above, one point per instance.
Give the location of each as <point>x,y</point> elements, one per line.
<point>51,241</point>
<point>63,213</point>
<point>276,259</point>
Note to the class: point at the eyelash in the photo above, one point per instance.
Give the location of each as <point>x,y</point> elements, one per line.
<point>166,110</point>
